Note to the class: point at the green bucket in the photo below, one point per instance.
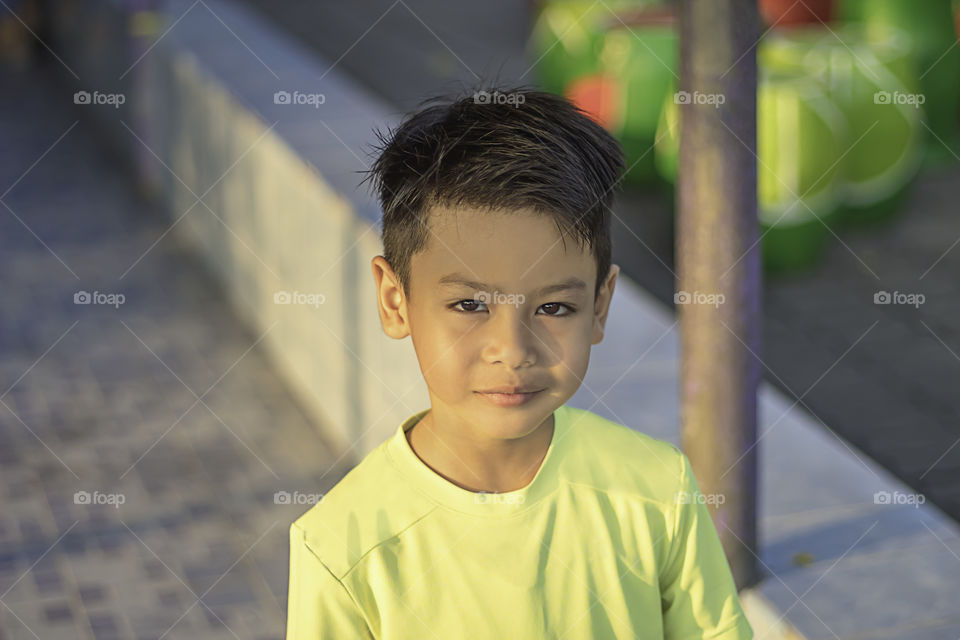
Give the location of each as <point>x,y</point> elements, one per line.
<point>874,83</point>
<point>800,138</point>
<point>616,61</point>
<point>931,27</point>
<point>565,41</point>
<point>641,59</point>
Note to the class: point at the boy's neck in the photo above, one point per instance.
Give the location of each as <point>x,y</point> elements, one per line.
<point>489,466</point>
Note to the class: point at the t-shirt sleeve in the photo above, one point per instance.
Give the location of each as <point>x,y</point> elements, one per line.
<point>319,607</point>
<point>698,593</point>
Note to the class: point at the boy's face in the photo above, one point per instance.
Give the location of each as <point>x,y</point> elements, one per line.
<point>480,320</point>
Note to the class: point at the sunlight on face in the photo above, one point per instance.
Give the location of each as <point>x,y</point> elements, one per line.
<point>496,300</point>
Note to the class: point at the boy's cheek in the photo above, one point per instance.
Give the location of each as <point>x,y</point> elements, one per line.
<point>442,356</point>
<point>578,358</point>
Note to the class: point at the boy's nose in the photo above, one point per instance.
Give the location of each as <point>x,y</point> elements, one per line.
<point>511,340</point>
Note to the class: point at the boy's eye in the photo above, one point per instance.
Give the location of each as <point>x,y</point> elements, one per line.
<point>550,308</point>
<point>466,306</point>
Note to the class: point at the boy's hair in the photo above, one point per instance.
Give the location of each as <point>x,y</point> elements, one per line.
<point>498,149</point>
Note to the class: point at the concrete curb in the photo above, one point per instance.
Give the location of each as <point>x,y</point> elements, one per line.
<point>767,622</point>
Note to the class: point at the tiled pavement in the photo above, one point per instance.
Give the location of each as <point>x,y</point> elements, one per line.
<point>164,400</point>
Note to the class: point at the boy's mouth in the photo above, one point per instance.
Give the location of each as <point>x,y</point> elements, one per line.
<point>512,389</point>
<point>508,398</point>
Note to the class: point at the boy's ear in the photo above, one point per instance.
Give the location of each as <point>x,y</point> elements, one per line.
<point>603,304</point>
<point>390,299</point>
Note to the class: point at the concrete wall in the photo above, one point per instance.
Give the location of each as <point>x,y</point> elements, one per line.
<point>265,191</point>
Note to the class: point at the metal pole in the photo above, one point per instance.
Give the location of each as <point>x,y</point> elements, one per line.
<point>718,266</point>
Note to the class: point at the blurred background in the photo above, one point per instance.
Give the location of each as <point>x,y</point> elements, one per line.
<point>189,351</point>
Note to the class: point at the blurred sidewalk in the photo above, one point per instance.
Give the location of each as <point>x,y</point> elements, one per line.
<point>164,399</point>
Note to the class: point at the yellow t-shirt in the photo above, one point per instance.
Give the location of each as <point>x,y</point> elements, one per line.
<point>597,546</point>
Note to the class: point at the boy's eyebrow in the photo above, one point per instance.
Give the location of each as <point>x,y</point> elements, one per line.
<point>572,283</point>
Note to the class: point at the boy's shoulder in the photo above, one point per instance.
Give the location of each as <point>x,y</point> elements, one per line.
<point>369,504</point>
<point>615,458</point>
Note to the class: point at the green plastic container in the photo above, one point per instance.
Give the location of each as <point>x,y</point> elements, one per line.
<point>875,84</point>
<point>642,61</point>
<point>932,28</point>
<point>801,134</point>
<point>614,63</point>
<point>566,39</point>
<point>564,44</point>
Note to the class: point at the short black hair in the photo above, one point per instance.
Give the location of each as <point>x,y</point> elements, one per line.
<point>496,149</point>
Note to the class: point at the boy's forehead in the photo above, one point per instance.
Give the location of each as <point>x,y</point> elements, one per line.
<point>517,246</point>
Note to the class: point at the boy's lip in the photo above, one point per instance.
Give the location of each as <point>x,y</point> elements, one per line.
<point>511,390</point>
<point>509,399</point>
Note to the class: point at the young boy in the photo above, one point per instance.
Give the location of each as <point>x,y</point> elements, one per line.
<point>501,512</point>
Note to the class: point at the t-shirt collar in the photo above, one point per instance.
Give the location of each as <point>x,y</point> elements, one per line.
<point>423,478</point>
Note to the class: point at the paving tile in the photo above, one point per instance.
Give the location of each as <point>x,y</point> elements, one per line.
<point>97,406</point>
